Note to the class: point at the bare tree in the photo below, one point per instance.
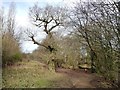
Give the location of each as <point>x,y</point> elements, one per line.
<point>8,24</point>
<point>2,22</point>
<point>98,24</point>
<point>11,19</point>
<point>80,21</point>
<point>48,19</point>
<point>10,47</point>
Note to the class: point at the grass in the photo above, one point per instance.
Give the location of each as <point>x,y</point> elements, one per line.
<point>31,75</point>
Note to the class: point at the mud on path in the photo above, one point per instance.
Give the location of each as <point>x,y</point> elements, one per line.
<point>78,78</point>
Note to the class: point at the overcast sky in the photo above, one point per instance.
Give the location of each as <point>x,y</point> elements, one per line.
<point>22,19</point>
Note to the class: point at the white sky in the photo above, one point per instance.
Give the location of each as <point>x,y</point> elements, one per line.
<point>22,19</point>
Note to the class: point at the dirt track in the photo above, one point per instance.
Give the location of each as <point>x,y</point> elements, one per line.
<point>79,79</point>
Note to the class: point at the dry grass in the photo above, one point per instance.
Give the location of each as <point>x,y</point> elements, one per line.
<point>31,74</point>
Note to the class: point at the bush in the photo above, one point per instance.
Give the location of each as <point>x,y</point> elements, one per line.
<point>10,50</point>
<point>17,56</point>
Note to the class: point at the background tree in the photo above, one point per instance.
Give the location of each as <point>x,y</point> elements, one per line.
<point>11,19</point>
<point>97,24</point>
<point>10,47</point>
<point>80,22</point>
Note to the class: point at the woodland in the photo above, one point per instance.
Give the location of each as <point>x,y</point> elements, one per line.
<point>81,48</point>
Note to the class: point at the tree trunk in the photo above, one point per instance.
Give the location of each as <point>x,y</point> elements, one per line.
<point>93,55</point>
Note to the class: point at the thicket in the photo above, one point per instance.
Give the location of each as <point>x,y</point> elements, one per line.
<point>10,46</point>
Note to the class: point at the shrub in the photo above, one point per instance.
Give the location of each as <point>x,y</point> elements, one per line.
<point>10,50</point>
<point>17,56</point>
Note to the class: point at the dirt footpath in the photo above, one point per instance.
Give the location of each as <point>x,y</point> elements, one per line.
<point>78,78</point>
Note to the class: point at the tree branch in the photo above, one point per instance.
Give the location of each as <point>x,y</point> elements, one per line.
<point>51,49</point>
<point>35,42</point>
<point>53,27</point>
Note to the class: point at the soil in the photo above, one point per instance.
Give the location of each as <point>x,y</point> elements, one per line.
<point>84,79</point>
<point>79,78</point>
